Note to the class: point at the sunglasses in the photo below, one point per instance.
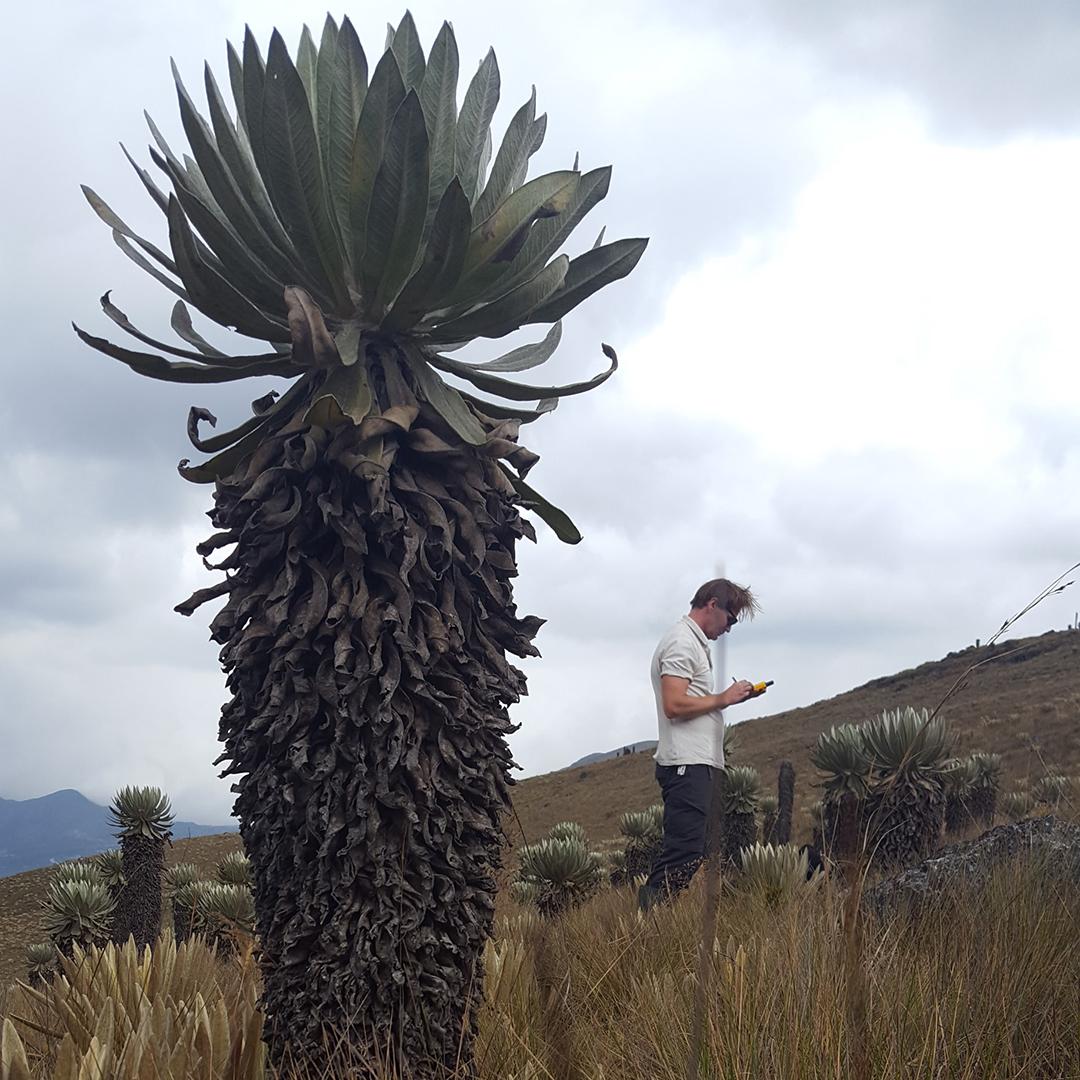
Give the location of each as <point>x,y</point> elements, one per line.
<point>731,619</point>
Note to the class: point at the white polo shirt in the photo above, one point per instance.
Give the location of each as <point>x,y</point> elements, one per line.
<point>684,652</point>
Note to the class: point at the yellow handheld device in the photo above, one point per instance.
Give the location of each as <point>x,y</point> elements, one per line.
<point>761,687</point>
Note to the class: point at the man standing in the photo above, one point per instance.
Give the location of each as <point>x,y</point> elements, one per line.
<point>691,730</point>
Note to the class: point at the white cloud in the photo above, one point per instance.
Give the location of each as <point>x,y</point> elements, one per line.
<point>920,298</point>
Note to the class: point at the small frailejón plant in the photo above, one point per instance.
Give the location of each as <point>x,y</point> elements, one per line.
<point>143,820</point>
<point>906,802</point>
<point>179,886</point>
<point>110,867</point>
<point>42,959</point>
<point>77,870</point>
<point>77,912</point>
<point>234,869</point>
<point>1016,805</point>
<point>774,872</point>
<point>984,789</point>
<point>524,892</point>
<point>353,218</point>
<point>731,744</point>
<point>1051,790</point>
<point>960,775</point>
<point>616,864</point>
<point>561,873</point>
<point>740,807</point>
<point>643,831</point>
<point>840,754</point>
<point>767,805</point>
<point>568,830</point>
<point>228,914</point>
<point>177,875</point>
<point>885,785</point>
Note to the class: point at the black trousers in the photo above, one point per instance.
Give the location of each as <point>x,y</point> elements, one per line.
<point>687,793</point>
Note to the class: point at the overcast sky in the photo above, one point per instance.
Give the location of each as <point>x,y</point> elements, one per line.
<point>849,359</point>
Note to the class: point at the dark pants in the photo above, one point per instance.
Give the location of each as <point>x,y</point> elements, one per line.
<point>687,792</point>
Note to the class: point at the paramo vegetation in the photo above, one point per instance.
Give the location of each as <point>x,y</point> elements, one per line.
<point>355,218</point>
<point>572,962</point>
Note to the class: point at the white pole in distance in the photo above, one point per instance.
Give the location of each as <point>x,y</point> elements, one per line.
<point>720,669</point>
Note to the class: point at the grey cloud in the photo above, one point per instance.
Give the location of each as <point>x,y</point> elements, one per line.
<point>983,69</point>
<point>96,719</point>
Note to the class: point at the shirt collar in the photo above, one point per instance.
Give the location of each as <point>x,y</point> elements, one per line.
<point>698,632</point>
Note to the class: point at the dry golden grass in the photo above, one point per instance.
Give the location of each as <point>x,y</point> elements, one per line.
<point>984,987</point>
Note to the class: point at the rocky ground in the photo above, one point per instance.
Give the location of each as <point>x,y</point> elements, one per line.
<point>1053,843</point>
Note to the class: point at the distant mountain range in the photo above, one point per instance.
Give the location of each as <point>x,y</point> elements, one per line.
<point>604,755</point>
<point>64,825</point>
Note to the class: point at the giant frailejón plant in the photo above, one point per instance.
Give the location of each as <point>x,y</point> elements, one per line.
<point>356,222</point>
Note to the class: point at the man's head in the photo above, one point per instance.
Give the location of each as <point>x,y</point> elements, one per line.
<point>719,604</point>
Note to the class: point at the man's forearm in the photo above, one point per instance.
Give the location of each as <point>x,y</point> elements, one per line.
<point>690,707</point>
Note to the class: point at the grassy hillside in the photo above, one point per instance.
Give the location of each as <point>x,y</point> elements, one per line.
<point>1025,706</point>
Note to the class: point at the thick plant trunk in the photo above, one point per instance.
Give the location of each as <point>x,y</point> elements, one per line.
<point>740,831</point>
<point>138,905</point>
<point>842,827</point>
<point>183,921</point>
<point>369,614</point>
<point>958,813</point>
<point>785,803</point>
<point>984,805</point>
<point>904,826</point>
<point>640,855</point>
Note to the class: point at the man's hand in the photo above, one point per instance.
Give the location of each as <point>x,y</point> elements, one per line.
<point>737,692</point>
